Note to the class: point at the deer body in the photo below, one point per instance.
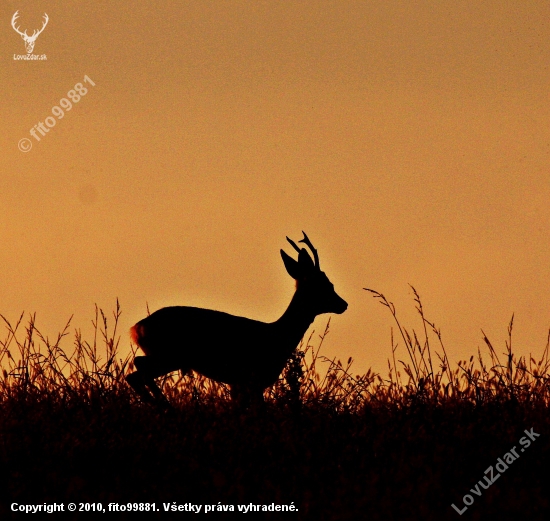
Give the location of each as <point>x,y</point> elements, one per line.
<point>247,354</point>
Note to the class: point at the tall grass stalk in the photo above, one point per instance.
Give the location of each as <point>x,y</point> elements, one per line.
<point>34,366</point>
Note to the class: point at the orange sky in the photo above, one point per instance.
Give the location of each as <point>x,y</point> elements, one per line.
<point>410,140</point>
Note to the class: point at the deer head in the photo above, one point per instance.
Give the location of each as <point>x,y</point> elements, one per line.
<point>29,40</point>
<point>316,289</point>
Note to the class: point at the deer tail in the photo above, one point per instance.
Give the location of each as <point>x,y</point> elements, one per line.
<point>137,334</point>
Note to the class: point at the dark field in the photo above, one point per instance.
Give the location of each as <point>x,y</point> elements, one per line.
<point>332,444</point>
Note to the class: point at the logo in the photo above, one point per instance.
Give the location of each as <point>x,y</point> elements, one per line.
<point>29,40</point>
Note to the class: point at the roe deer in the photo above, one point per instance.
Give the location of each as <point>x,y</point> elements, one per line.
<point>246,354</point>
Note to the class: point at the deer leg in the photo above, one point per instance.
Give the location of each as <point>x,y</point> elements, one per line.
<point>136,382</point>
<point>257,398</point>
<point>247,396</point>
<point>143,380</point>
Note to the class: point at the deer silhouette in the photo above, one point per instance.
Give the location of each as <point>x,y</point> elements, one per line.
<point>247,354</point>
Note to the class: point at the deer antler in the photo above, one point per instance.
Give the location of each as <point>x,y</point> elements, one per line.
<point>307,242</point>
<point>293,244</point>
<point>14,18</point>
<point>46,20</point>
<point>35,33</point>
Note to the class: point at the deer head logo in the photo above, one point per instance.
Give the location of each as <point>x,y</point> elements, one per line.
<point>29,40</point>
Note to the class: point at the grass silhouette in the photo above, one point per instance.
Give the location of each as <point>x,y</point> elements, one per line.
<point>335,444</point>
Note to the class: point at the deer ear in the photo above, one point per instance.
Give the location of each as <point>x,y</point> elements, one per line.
<point>292,267</point>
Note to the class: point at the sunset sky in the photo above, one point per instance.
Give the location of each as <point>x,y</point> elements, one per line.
<point>410,140</point>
